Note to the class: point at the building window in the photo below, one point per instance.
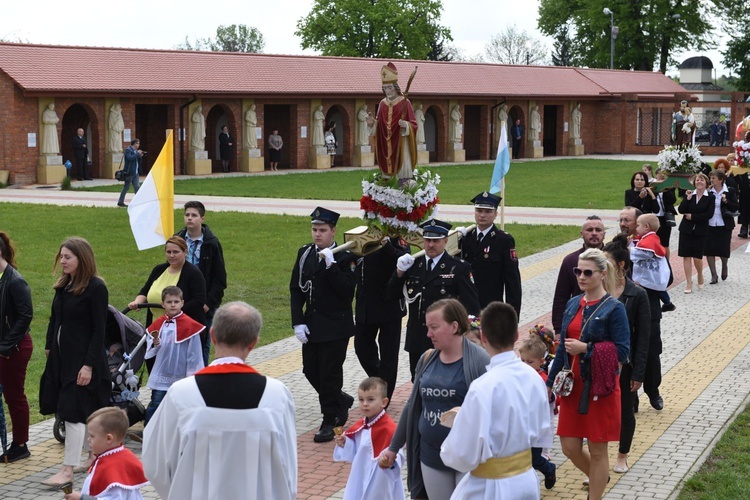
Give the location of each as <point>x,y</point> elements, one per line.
<point>654,127</point>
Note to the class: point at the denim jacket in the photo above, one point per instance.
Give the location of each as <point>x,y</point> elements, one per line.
<point>610,323</point>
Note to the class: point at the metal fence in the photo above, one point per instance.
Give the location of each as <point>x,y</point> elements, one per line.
<point>655,126</point>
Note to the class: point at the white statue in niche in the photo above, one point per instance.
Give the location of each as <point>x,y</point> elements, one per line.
<point>318,137</point>
<point>363,137</point>
<point>536,124</point>
<point>419,115</point>
<point>198,130</point>
<point>116,126</point>
<point>251,122</point>
<point>455,128</point>
<point>50,142</point>
<point>575,122</point>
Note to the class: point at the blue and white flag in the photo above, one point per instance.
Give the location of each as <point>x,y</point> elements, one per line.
<point>502,162</point>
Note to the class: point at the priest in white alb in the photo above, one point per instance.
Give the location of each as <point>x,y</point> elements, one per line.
<point>227,432</point>
<point>505,414</point>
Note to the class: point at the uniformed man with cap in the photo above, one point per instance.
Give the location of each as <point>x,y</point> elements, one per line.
<point>492,255</point>
<point>322,289</point>
<point>437,275</point>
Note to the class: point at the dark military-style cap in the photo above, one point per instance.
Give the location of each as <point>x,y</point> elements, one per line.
<point>324,216</point>
<point>486,200</point>
<point>435,229</point>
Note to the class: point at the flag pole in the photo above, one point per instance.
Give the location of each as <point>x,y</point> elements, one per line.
<point>502,205</point>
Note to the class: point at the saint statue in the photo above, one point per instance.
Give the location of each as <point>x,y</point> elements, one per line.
<point>116,126</point>
<point>363,138</point>
<point>251,122</point>
<point>419,115</point>
<point>318,137</point>
<point>502,116</point>
<point>455,128</point>
<point>575,122</point>
<point>395,126</point>
<point>536,124</point>
<point>198,130</point>
<point>683,126</point>
<point>50,143</point>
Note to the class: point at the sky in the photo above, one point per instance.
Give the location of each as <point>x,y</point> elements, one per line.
<point>157,24</point>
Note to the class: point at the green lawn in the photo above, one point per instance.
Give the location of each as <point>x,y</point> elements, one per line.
<point>725,474</point>
<point>259,252</point>
<point>584,183</point>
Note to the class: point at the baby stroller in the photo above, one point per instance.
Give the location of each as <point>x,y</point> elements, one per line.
<point>125,341</point>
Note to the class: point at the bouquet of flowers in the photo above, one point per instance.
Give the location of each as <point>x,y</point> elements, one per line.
<point>742,153</point>
<point>399,210</point>
<point>680,159</point>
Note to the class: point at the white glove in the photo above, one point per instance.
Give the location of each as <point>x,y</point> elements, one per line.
<point>461,230</point>
<point>301,332</point>
<point>404,262</point>
<point>327,254</point>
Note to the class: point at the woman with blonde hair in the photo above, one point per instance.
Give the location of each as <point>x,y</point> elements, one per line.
<point>76,380</point>
<point>595,334</point>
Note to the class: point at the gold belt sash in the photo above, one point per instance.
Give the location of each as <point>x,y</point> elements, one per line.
<point>504,467</point>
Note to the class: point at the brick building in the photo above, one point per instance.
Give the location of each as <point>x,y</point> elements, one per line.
<point>159,90</point>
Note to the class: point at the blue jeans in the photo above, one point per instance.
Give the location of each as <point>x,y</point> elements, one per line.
<point>130,179</point>
<point>540,463</point>
<point>664,296</point>
<point>156,397</point>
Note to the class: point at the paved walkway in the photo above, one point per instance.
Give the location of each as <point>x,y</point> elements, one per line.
<point>705,355</point>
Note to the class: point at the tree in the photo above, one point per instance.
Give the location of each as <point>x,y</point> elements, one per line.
<point>514,46</point>
<point>562,48</point>
<point>650,31</point>
<point>737,53</point>
<point>389,29</point>
<point>232,38</point>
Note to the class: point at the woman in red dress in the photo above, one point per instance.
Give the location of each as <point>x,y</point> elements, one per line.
<point>594,325</point>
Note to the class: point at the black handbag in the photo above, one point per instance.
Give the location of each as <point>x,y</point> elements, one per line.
<point>120,173</point>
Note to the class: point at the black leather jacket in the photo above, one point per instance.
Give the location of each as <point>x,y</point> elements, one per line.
<point>16,310</point>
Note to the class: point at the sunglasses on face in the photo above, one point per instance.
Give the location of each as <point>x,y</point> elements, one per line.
<point>586,272</point>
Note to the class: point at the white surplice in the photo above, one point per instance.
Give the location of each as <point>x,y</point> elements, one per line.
<point>505,412</point>
<point>367,481</point>
<point>191,451</point>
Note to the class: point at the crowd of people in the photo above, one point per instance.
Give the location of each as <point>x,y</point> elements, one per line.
<point>478,417</point>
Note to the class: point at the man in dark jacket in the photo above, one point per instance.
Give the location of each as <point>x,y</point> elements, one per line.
<point>80,150</point>
<point>492,255</point>
<point>321,292</point>
<point>204,251</point>
<point>378,315</point>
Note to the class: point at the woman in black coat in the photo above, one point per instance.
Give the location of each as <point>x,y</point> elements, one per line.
<point>225,148</point>
<point>720,225</point>
<point>697,207</point>
<point>635,196</point>
<point>638,309</point>
<point>76,380</point>
<point>661,204</point>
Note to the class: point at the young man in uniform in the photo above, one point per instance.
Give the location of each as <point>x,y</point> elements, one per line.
<point>322,289</point>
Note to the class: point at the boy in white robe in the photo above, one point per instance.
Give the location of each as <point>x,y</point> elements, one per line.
<point>362,444</point>
<point>175,341</point>
<point>227,432</point>
<point>504,415</point>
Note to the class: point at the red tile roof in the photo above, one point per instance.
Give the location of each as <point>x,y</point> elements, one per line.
<point>45,69</point>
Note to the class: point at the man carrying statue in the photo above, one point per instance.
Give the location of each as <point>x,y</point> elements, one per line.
<point>395,127</point>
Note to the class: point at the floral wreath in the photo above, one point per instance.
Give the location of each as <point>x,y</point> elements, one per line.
<point>742,153</point>
<point>474,322</point>
<point>399,210</point>
<point>680,159</point>
<point>547,337</point>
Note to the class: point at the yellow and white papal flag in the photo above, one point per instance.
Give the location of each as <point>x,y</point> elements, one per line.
<point>151,210</point>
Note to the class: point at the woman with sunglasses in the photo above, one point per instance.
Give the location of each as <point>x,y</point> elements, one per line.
<point>594,324</point>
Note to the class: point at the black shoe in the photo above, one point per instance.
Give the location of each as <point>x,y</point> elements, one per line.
<point>346,402</point>
<point>325,434</point>
<point>714,280</point>
<point>15,453</point>
<point>551,479</point>
<point>122,205</point>
<point>668,307</point>
<point>657,403</point>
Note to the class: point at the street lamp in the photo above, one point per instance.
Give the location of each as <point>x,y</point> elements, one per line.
<point>613,31</point>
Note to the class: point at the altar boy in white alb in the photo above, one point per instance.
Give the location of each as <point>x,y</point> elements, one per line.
<point>227,432</point>
<point>504,415</point>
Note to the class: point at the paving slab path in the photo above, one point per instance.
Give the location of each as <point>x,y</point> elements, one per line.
<point>706,335</point>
